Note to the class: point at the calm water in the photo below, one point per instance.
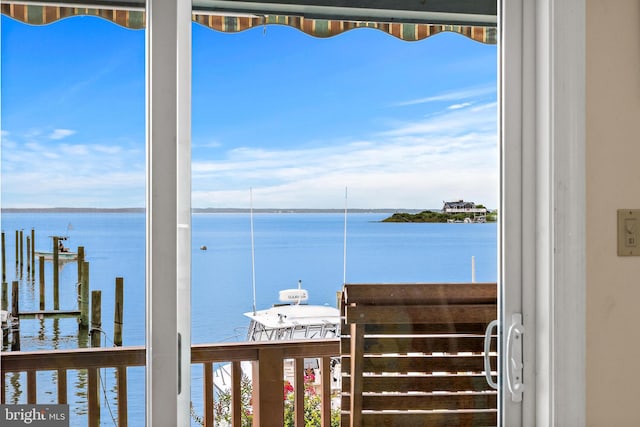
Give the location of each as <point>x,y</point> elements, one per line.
<point>288,248</point>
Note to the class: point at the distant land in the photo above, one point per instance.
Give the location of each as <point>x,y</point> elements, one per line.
<point>430,216</point>
<point>208,210</point>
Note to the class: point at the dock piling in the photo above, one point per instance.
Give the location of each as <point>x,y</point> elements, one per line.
<point>117,312</point>
<point>96,317</point>
<point>33,250</point>
<point>17,248</point>
<point>4,260</point>
<point>56,275</point>
<point>21,250</point>
<point>15,300</point>
<point>28,255</point>
<point>5,297</point>
<point>84,297</point>
<point>80,262</point>
<point>15,314</point>
<point>473,269</point>
<point>41,266</point>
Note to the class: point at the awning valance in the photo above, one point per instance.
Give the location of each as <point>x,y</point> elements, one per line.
<point>35,14</point>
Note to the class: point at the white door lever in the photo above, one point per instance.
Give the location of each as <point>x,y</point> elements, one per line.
<point>514,366</point>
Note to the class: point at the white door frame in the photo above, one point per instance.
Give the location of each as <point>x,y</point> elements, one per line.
<point>544,220</point>
<point>168,260</point>
<point>543,213</point>
<point>554,66</point>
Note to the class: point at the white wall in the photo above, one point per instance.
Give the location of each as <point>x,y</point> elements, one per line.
<point>613,181</point>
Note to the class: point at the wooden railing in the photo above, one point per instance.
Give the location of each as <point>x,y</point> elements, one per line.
<point>413,355</point>
<point>267,375</point>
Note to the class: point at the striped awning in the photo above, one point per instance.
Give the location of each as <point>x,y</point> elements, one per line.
<point>135,19</point>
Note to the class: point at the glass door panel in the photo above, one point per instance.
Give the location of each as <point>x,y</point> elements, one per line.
<point>73,211</point>
<point>283,122</point>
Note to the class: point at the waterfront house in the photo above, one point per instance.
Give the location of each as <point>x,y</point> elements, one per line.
<point>460,206</point>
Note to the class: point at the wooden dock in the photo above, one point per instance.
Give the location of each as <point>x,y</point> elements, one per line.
<point>48,314</point>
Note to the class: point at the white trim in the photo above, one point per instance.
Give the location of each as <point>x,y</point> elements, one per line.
<point>561,277</point>
<point>168,92</point>
<point>183,245</point>
<point>513,196</point>
<point>543,172</point>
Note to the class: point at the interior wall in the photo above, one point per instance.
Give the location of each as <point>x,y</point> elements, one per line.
<point>613,182</point>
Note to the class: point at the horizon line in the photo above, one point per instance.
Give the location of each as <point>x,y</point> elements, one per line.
<point>208,210</point>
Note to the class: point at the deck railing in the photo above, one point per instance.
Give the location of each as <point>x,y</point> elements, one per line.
<point>267,375</point>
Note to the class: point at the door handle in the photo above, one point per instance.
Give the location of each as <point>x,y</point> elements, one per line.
<point>487,348</point>
<point>514,358</point>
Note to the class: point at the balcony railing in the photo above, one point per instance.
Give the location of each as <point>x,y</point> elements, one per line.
<point>267,377</point>
<point>409,352</point>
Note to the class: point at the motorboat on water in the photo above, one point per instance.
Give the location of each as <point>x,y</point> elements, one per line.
<point>291,319</point>
<point>64,253</point>
<point>294,319</point>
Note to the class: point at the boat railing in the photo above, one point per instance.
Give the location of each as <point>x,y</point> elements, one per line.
<point>267,358</point>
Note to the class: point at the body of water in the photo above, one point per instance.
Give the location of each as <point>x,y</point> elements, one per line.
<point>288,247</point>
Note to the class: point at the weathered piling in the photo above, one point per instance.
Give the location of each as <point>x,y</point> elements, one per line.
<point>118,312</point>
<point>4,260</point>
<point>84,297</point>
<point>21,250</point>
<point>28,254</point>
<point>15,303</point>
<point>17,248</point>
<point>96,318</point>
<point>473,269</point>
<point>5,296</point>
<point>41,265</point>
<point>15,314</point>
<point>79,262</point>
<point>33,250</point>
<point>56,275</point>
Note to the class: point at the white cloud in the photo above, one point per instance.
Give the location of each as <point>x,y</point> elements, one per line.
<point>51,174</point>
<point>414,165</point>
<point>459,106</point>
<point>61,133</point>
<point>458,95</point>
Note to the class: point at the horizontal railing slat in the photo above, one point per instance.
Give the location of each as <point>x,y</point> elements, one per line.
<point>111,357</point>
<point>428,401</point>
<point>453,314</point>
<point>420,293</point>
<point>421,383</point>
<point>430,419</point>
<point>80,358</point>
<point>423,344</point>
<point>419,328</point>
<point>425,364</point>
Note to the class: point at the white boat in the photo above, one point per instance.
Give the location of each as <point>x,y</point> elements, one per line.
<point>62,256</point>
<point>291,319</point>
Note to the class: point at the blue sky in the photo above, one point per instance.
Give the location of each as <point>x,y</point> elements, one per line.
<point>296,118</point>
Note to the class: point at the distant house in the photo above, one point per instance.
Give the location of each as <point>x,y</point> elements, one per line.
<point>461,206</point>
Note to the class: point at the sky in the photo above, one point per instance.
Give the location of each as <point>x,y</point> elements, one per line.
<point>297,119</point>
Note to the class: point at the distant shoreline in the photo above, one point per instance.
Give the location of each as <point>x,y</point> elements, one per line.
<point>209,210</point>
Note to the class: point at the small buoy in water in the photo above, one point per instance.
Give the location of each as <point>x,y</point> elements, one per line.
<point>203,248</point>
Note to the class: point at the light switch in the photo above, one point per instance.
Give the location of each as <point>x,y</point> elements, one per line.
<point>628,232</point>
